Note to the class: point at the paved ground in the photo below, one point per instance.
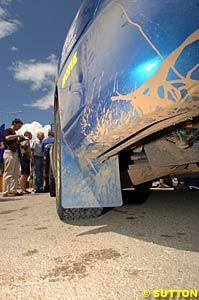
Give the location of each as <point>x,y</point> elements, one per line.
<point>117,256</point>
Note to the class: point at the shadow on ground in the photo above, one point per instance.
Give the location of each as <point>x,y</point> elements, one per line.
<point>11,199</point>
<point>166,218</point>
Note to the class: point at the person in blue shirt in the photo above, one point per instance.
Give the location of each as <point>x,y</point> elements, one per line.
<point>46,144</point>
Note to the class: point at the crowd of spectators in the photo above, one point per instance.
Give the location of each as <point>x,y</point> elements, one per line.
<point>23,157</point>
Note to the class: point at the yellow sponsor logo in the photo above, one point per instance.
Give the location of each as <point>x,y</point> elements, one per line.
<point>70,67</point>
<point>171,294</point>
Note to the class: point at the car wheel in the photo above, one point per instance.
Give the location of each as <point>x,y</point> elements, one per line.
<point>52,188</point>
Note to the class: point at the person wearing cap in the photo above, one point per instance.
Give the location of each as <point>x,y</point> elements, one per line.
<point>11,159</point>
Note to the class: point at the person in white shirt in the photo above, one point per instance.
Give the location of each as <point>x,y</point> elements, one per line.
<point>37,162</point>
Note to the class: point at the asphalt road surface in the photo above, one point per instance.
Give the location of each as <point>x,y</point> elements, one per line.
<point>127,250</point>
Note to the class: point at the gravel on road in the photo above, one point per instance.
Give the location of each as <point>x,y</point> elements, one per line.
<point>116,256</point>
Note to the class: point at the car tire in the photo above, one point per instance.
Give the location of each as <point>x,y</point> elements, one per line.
<point>70,214</point>
<point>52,188</point>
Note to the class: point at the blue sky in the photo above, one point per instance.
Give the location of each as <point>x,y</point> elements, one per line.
<point>32,34</point>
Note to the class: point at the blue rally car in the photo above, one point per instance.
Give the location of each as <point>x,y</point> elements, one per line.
<point>126,101</point>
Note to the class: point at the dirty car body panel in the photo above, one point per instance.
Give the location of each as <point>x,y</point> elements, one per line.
<point>128,69</point>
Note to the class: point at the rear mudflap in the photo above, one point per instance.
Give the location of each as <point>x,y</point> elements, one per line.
<point>89,183</point>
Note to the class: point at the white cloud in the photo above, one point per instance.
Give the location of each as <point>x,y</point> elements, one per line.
<point>43,103</point>
<point>39,74</point>
<point>13,48</point>
<point>34,127</point>
<point>2,12</point>
<point>7,26</point>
